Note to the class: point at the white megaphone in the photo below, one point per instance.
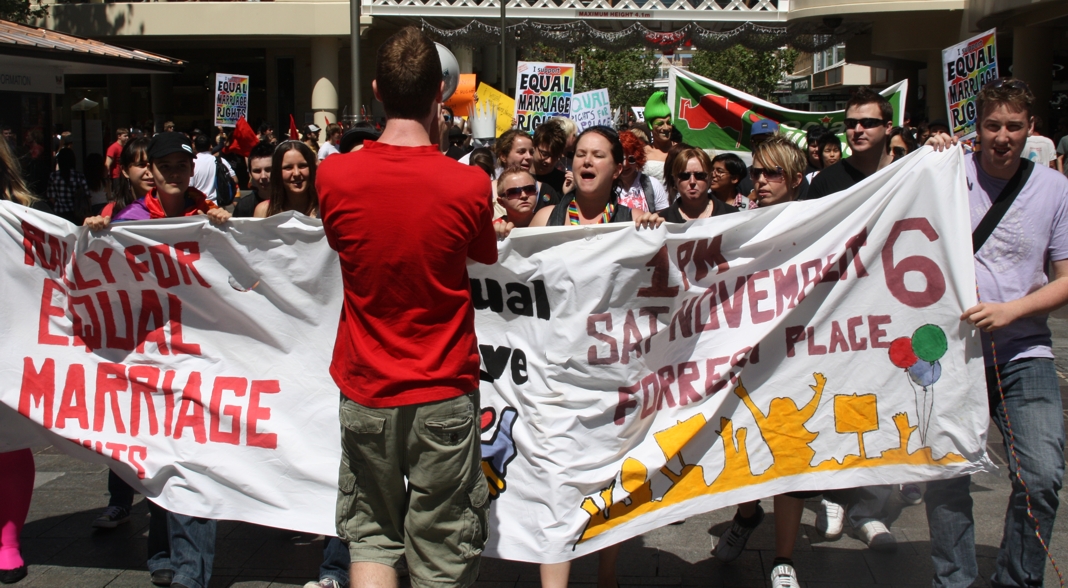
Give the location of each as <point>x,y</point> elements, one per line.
<point>450,71</point>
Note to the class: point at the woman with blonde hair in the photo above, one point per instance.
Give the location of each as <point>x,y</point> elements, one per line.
<point>292,181</point>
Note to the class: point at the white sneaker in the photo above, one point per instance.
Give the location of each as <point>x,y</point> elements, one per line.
<point>784,576</point>
<point>830,519</point>
<point>877,536</point>
<point>324,583</point>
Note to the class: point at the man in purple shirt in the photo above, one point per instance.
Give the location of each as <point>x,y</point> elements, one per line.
<point>1015,298</point>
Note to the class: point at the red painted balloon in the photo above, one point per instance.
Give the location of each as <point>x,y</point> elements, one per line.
<point>901,353</point>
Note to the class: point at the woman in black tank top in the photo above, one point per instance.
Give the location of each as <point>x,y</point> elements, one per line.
<point>596,168</point>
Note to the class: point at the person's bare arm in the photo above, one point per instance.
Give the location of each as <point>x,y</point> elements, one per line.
<point>541,218</point>
<point>991,316</point>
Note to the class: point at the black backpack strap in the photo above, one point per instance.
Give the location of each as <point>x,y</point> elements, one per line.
<point>1004,200</point>
<point>647,188</point>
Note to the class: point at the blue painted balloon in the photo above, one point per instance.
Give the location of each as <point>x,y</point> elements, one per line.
<point>925,373</point>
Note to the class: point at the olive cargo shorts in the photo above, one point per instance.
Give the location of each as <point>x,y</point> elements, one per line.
<point>438,520</point>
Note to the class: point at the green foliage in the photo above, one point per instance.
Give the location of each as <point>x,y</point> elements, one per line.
<point>755,72</point>
<point>628,74</point>
<point>22,11</point>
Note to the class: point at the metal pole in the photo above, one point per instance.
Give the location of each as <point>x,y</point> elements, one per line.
<point>504,53</point>
<point>354,20</point>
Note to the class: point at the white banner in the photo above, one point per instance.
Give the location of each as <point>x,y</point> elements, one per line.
<point>631,378</point>
<point>590,109</point>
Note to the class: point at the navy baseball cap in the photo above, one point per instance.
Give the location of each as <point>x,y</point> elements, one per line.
<point>763,126</point>
<point>164,144</point>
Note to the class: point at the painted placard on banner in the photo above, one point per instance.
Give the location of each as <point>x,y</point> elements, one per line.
<point>542,91</point>
<point>966,68</point>
<point>630,378</point>
<point>504,103</point>
<point>590,109</point>
<point>231,99</point>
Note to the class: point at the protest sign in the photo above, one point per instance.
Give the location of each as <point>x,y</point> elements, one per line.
<point>629,378</point>
<point>966,68</point>
<point>231,99</point>
<point>590,109</point>
<point>639,113</point>
<point>711,115</point>
<point>463,99</point>
<point>504,103</point>
<point>542,91</point>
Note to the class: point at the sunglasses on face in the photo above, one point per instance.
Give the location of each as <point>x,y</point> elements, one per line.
<point>771,175</point>
<point>718,171</point>
<point>699,176</point>
<point>867,123</point>
<point>518,191</point>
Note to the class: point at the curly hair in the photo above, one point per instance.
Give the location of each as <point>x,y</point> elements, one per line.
<point>633,147</point>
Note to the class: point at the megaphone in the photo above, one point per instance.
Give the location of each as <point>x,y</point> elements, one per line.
<point>450,71</point>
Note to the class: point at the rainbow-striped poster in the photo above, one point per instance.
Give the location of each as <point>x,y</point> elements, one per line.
<point>966,68</point>
<point>542,91</point>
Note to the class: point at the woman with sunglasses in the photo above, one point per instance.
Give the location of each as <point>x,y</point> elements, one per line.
<point>638,191</point>
<point>777,171</point>
<point>726,175</point>
<point>517,193</point>
<point>292,181</point>
<point>692,174</point>
<point>597,164</point>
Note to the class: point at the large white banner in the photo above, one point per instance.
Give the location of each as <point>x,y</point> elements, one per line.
<point>630,378</point>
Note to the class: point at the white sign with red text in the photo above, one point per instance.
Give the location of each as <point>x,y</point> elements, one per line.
<point>629,378</point>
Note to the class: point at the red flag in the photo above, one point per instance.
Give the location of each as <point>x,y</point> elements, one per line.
<point>243,139</point>
<point>294,134</point>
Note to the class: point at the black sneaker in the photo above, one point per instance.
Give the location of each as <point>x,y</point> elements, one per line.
<point>12,576</point>
<point>731,544</point>
<point>112,517</point>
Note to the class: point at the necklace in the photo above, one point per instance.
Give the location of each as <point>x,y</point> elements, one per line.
<point>573,217</point>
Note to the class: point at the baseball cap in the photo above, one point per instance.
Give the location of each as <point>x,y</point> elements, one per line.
<point>313,128</point>
<point>164,144</point>
<point>763,126</point>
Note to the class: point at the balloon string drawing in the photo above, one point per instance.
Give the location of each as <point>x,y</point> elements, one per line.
<point>918,356</point>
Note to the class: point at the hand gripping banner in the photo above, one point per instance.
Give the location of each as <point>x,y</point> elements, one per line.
<point>630,378</point>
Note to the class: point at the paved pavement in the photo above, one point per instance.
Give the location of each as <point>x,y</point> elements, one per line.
<point>62,549</point>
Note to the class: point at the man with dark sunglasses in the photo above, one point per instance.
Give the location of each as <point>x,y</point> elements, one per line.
<point>869,118</point>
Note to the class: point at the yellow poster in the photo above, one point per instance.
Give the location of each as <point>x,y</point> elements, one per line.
<point>505,105</point>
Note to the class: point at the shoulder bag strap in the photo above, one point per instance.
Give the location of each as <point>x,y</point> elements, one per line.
<point>1001,205</point>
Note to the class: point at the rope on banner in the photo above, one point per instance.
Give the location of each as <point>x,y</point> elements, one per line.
<point>808,37</point>
<point>1012,452</point>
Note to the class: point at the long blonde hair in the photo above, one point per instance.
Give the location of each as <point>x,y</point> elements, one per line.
<point>12,185</point>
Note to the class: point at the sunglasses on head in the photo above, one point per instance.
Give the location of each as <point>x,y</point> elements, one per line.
<point>771,175</point>
<point>699,176</point>
<point>518,191</point>
<point>867,123</point>
<point>1007,83</point>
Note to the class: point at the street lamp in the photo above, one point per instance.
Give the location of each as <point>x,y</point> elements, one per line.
<point>354,52</point>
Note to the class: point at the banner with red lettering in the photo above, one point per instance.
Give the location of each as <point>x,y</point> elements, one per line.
<point>630,378</point>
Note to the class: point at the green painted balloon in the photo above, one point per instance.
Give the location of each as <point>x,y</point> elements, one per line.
<point>929,343</point>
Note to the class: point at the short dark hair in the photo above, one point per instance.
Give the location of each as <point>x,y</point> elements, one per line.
<point>483,158</point>
<point>1015,93</point>
<point>122,131</point>
<point>408,74</point>
<point>551,134</point>
<point>734,164</point>
<point>332,129</point>
<point>262,149</point>
<point>613,139</point>
<point>831,139</point>
<point>865,95</point>
<point>201,143</point>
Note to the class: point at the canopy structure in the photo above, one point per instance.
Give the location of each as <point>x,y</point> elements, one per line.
<point>26,46</point>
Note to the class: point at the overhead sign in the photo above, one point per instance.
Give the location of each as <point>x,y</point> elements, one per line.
<point>231,99</point>
<point>801,86</point>
<point>590,109</point>
<point>966,68</point>
<point>20,79</point>
<point>542,91</point>
<point>629,378</point>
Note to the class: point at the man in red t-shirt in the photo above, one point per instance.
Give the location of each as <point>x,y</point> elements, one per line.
<point>111,161</point>
<point>406,358</point>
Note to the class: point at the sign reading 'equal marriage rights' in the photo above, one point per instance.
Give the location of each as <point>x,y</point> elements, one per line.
<point>630,378</point>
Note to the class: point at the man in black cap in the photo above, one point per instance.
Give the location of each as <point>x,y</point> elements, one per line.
<point>353,138</point>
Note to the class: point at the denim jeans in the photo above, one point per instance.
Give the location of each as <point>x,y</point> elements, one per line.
<point>1033,404</point>
<point>189,549</point>
<point>336,561</point>
<point>864,504</point>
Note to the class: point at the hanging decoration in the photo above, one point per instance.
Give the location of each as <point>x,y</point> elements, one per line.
<point>807,37</point>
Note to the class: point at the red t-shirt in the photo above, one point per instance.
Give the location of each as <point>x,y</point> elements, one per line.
<point>114,152</point>
<point>404,221</point>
